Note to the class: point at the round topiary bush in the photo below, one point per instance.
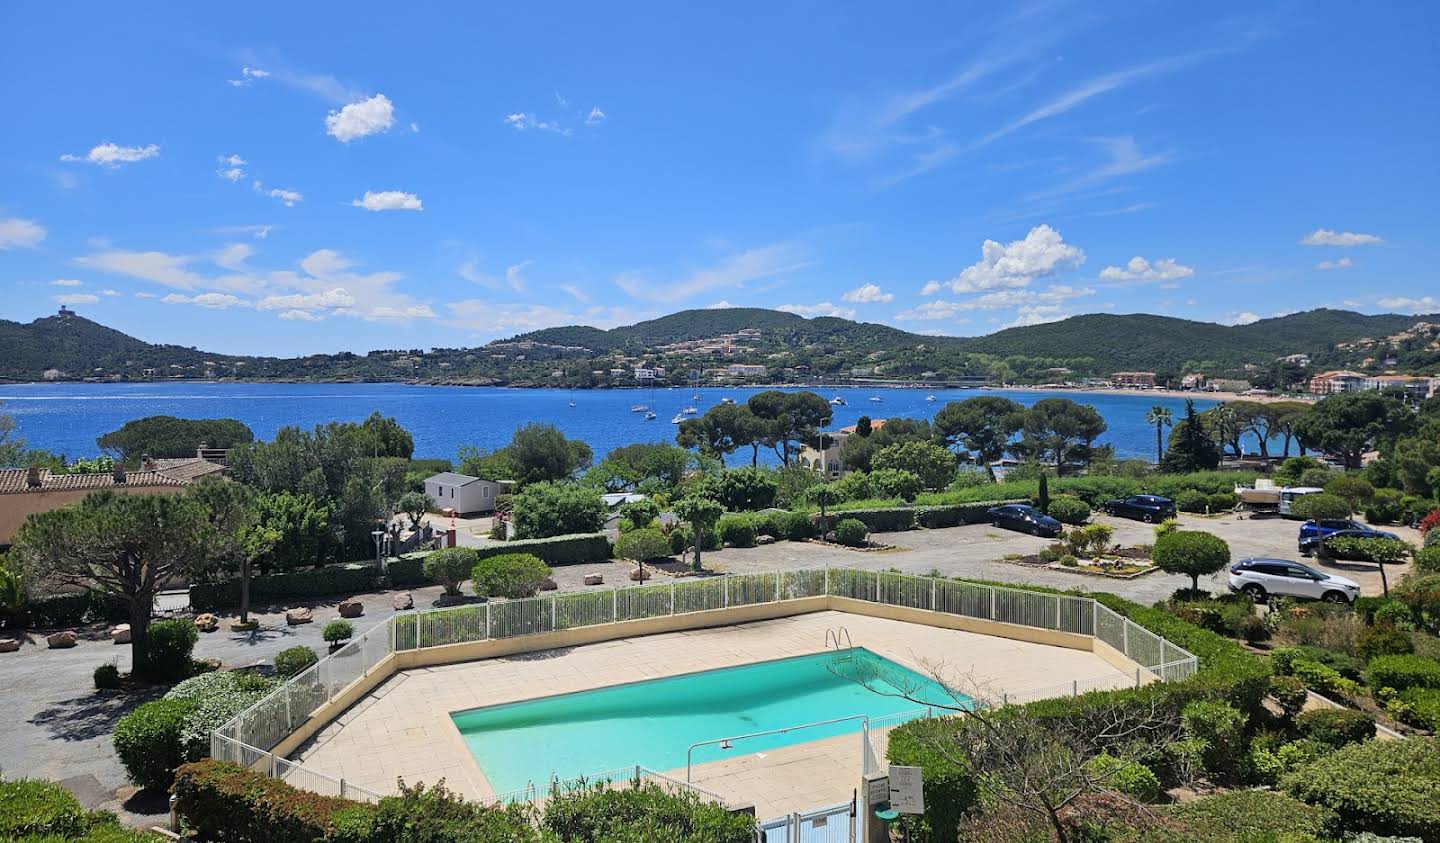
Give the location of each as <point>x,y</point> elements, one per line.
<point>449,567</point>
<point>107,676</point>
<point>1335,726</point>
<point>1068,509</point>
<point>512,575</point>
<point>1192,553</point>
<point>171,644</point>
<point>148,741</point>
<point>294,660</point>
<point>851,532</point>
<point>338,631</point>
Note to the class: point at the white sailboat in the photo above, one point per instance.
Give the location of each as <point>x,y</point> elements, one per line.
<point>877,399</point>
<point>690,411</point>
<point>649,415</point>
<point>679,417</point>
<point>837,401</point>
<point>929,398</point>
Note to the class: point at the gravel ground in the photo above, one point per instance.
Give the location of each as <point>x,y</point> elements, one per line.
<point>59,727</point>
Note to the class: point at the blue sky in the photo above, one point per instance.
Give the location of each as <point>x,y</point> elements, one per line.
<point>287,179</point>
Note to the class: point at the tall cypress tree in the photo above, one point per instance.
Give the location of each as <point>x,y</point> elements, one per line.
<point>1191,448</point>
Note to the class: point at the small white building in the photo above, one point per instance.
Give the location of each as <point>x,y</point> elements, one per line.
<point>463,493</point>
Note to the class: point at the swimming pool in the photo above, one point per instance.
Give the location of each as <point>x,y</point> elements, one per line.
<point>652,723</point>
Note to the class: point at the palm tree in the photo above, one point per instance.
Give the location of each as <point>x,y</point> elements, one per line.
<point>1160,417</point>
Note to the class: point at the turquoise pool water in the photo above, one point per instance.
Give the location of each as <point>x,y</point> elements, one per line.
<point>652,723</point>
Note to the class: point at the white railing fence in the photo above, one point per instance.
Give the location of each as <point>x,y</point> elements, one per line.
<point>250,736</point>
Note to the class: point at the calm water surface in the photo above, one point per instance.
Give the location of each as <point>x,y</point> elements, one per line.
<point>67,418</point>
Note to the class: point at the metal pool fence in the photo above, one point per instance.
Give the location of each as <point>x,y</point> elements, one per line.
<point>250,736</point>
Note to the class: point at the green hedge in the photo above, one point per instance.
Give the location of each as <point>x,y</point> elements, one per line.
<point>557,550</point>
<point>35,806</point>
<point>950,789</point>
<point>1336,726</point>
<point>149,741</point>
<point>1404,671</point>
<point>1384,787</point>
<point>644,813</point>
<point>56,611</point>
<point>957,514</point>
<point>406,571</point>
<point>1254,815</point>
<point>350,578</point>
<point>223,801</point>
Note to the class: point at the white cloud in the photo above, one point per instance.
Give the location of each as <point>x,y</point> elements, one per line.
<point>522,121</point>
<point>388,200</point>
<point>1342,263</point>
<point>169,270</point>
<point>719,305</point>
<point>1405,304</point>
<point>212,301</point>
<point>1326,237</point>
<point>488,317</point>
<point>232,168</point>
<point>332,299</point>
<point>595,117</point>
<point>289,197</point>
<point>931,288</point>
<point>734,271</point>
<point>1244,317</point>
<point>248,75</point>
<point>388,313</point>
<point>1038,315</point>
<point>1021,300</point>
<point>576,293</point>
<point>868,294</point>
<point>360,119</point>
<point>930,311</point>
<point>112,155</point>
<point>415,127</point>
<point>110,292</point>
<point>301,315</point>
<point>67,282</point>
<point>1140,269</point>
<point>470,271</point>
<point>146,295</point>
<point>77,298</point>
<point>233,256</point>
<point>16,233</point>
<point>823,308</point>
<point>1042,254</point>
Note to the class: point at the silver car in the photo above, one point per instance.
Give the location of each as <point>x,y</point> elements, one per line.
<point>1261,578</point>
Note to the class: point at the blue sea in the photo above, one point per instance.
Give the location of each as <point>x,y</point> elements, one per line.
<point>67,418</point>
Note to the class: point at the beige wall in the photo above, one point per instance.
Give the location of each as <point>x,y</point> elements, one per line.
<point>15,508</point>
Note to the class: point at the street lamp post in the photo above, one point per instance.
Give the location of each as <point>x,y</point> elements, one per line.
<point>379,536</point>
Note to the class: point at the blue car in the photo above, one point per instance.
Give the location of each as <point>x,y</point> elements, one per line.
<point>1026,519</point>
<point>1312,533</point>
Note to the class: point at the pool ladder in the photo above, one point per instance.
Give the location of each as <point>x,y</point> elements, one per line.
<point>834,637</point>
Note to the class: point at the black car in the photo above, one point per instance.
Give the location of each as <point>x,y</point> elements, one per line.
<point>1143,507</point>
<point>1026,519</point>
<point>1310,544</point>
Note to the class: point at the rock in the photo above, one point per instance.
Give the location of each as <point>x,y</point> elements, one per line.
<point>764,539</point>
<point>120,634</point>
<point>9,645</point>
<point>639,574</point>
<point>402,601</point>
<point>594,579</point>
<point>207,622</point>
<point>295,617</point>
<point>207,665</point>
<point>351,608</point>
<point>62,640</point>
<point>549,584</point>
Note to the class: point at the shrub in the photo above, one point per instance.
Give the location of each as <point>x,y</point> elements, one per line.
<point>796,526</point>
<point>1384,787</point>
<point>1421,595</point>
<point>1335,726</point>
<point>896,483</point>
<point>1220,728</point>
<point>642,813</point>
<point>1386,507</point>
<point>1068,509</point>
<point>883,520</point>
<point>223,801</point>
<point>1254,815</point>
<point>1323,679</point>
<point>1290,693</point>
<point>1320,505</point>
<point>293,661</point>
<point>851,532</point>
<point>319,582</point>
<point>747,489</point>
<point>171,644</point>
<point>1069,561</point>
<point>556,550</point>
<point>449,567</point>
<point>148,741</point>
<point>737,531</point>
<point>1382,639</point>
<point>1191,553</point>
<point>1355,489</point>
<point>107,676</point>
<point>950,788</point>
<point>337,631</point>
<point>1166,527</point>
<point>1252,628</point>
<point>1285,659</point>
<point>1403,671</point>
<point>513,575</point>
<point>439,815</point>
<point>1420,707</point>
<point>641,513</point>
<point>406,571</point>
<point>1128,777</point>
<point>1191,500</point>
<point>217,697</point>
<point>543,510</point>
<point>35,806</point>
<point>640,545</point>
<point>1427,559</point>
<point>1221,501</point>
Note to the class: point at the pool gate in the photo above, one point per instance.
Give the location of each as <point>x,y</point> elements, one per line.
<point>832,824</point>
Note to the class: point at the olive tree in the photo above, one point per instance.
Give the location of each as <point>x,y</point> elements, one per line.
<point>702,514</point>
<point>449,567</point>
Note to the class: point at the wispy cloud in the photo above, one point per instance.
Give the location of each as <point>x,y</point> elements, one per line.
<point>1326,237</point>
<point>16,233</point>
<point>248,75</point>
<point>823,308</point>
<point>113,155</point>
<point>734,271</point>
<point>388,200</point>
<point>1342,263</point>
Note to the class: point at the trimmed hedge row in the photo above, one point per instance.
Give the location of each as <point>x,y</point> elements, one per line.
<point>319,582</point>
<point>1384,787</point>
<point>556,550</point>
<point>896,519</point>
<point>224,801</point>
<point>56,611</point>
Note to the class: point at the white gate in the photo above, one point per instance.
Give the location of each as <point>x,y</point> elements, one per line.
<point>835,824</point>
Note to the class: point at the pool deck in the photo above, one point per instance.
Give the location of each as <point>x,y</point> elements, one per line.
<point>403,728</point>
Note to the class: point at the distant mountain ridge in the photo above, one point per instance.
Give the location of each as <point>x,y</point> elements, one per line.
<point>70,347</point>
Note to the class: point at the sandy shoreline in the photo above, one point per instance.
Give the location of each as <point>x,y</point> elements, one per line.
<point>1162,393</point>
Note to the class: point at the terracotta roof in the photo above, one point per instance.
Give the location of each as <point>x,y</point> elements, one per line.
<point>875,424</point>
<point>13,481</point>
<point>186,468</point>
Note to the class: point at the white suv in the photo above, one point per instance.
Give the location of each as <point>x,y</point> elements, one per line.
<point>1260,578</point>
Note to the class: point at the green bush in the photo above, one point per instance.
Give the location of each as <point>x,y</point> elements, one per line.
<point>1382,639</point>
<point>1068,509</point>
<point>437,815</point>
<point>1290,693</point>
<point>851,532</point>
<point>1254,816</point>
<point>1403,671</point>
<point>545,510</point>
<point>171,644</point>
<point>293,661</point>
<point>573,549</point>
<point>1421,707</point>
<point>640,545</point>
<point>1335,726</point>
<point>1192,553</point>
<point>796,526</point>
<point>1384,787</point>
<point>747,489</point>
<point>36,806</point>
<point>1285,658</point>
<point>337,631</point>
<point>223,801</point>
<point>937,516</point>
<point>641,513</point>
<point>737,530</point>
<point>1320,505</point>
<point>513,575</point>
<point>58,611</point>
<point>218,697</point>
<point>1220,730</point>
<point>148,741</point>
<point>883,520</point>
<point>1323,679</point>
<point>1427,559</point>
<point>1386,507</point>
<point>1221,501</point>
<point>642,813</point>
<point>406,571</point>
<point>449,567</point>
<point>107,676</point>
<point>1128,777</point>
<point>950,789</point>
<point>896,483</point>
<point>1191,500</point>
<point>298,585</point>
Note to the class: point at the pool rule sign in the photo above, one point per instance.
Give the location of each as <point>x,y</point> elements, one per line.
<point>907,791</point>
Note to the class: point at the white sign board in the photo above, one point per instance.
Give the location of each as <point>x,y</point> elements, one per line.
<point>877,791</point>
<point>907,791</point>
